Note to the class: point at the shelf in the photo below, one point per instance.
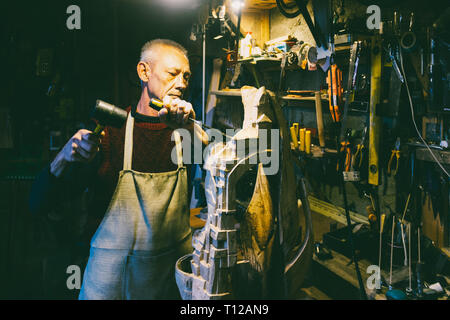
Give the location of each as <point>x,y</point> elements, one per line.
<point>227,93</point>
<point>237,93</point>
<point>424,154</point>
<point>300,98</point>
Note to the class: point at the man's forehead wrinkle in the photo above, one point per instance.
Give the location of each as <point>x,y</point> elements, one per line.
<point>176,65</point>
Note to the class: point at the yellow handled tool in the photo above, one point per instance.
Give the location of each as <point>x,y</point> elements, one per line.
<point>158,105</point>
<point>396,153</point>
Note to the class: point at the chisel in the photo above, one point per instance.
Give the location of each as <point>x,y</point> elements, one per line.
<point>158,105</point>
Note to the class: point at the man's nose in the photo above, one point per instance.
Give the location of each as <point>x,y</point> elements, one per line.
<point>181,82</point>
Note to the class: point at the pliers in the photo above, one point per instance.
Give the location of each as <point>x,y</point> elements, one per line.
<point>359,154</point>
<point>348,155</point>
<point>396,153</point>
<point>345,147</point>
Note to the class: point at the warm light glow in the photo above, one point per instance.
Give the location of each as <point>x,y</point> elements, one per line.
<point>180,4</point>
<point>237,5</point>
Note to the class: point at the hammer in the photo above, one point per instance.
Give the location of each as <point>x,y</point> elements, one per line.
<point>108,115</point>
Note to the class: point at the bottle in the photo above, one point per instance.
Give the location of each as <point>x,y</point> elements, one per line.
<point>246,46</point>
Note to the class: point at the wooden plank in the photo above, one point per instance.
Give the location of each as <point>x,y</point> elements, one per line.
<point>341,266</point>
<point>261,4</point>
<point>441,155</point>
<point>334,212</point>
<point>196,222</point>
<point>227,93</point>
<point>237,93</point>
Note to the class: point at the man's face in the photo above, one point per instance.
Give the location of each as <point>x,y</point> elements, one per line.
<point>169,73</point>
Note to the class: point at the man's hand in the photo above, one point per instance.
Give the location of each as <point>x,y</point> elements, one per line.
<point>176,113</point>
<point>82,147</point>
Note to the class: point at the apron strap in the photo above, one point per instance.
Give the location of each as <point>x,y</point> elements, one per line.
<point>128,146</point>
<point>179,148</point>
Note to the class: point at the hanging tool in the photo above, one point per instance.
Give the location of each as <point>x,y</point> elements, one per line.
<point>395,152</point>
<point>409,290</point>
<point>393,294</point>
<point>394,64</point>
<point>348,173</point>
<point>340,138</point>
<point>375,124</point>
<point>355,52</point>
<point>371,211</point>
<point>108,115</point>
<point>382,218</point>
<point>419,266</point>
<point>352,72</point>
<point>334,81</point>
<point>345,148</point>
<point>359,154</point>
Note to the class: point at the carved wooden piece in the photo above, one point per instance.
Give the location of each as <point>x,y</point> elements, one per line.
<point>215,246</point>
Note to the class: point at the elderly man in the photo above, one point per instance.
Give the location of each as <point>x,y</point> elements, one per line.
<point>140,190</point>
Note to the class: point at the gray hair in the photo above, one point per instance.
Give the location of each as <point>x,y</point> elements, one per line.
<point>147,50</point>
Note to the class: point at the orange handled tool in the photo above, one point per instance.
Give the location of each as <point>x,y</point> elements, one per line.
<point>396,153</point>
<point>335,91</point>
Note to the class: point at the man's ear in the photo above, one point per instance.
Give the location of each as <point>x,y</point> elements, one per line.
<point>143,69</point>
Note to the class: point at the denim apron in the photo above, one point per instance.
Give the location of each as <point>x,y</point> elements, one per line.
<point>144,231</point>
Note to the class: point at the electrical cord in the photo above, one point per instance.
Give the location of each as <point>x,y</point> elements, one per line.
<point>283,7</point>
<point>413,116</point>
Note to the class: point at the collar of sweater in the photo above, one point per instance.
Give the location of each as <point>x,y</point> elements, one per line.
<point>145,121</point>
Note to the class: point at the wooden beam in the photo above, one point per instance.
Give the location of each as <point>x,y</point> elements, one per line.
<point>214,86</point>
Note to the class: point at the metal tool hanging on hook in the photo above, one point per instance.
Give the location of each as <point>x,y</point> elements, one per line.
<point>395,153</point>
<point>359,154</point>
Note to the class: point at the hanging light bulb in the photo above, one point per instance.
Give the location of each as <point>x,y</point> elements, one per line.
<point>237,5</point>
